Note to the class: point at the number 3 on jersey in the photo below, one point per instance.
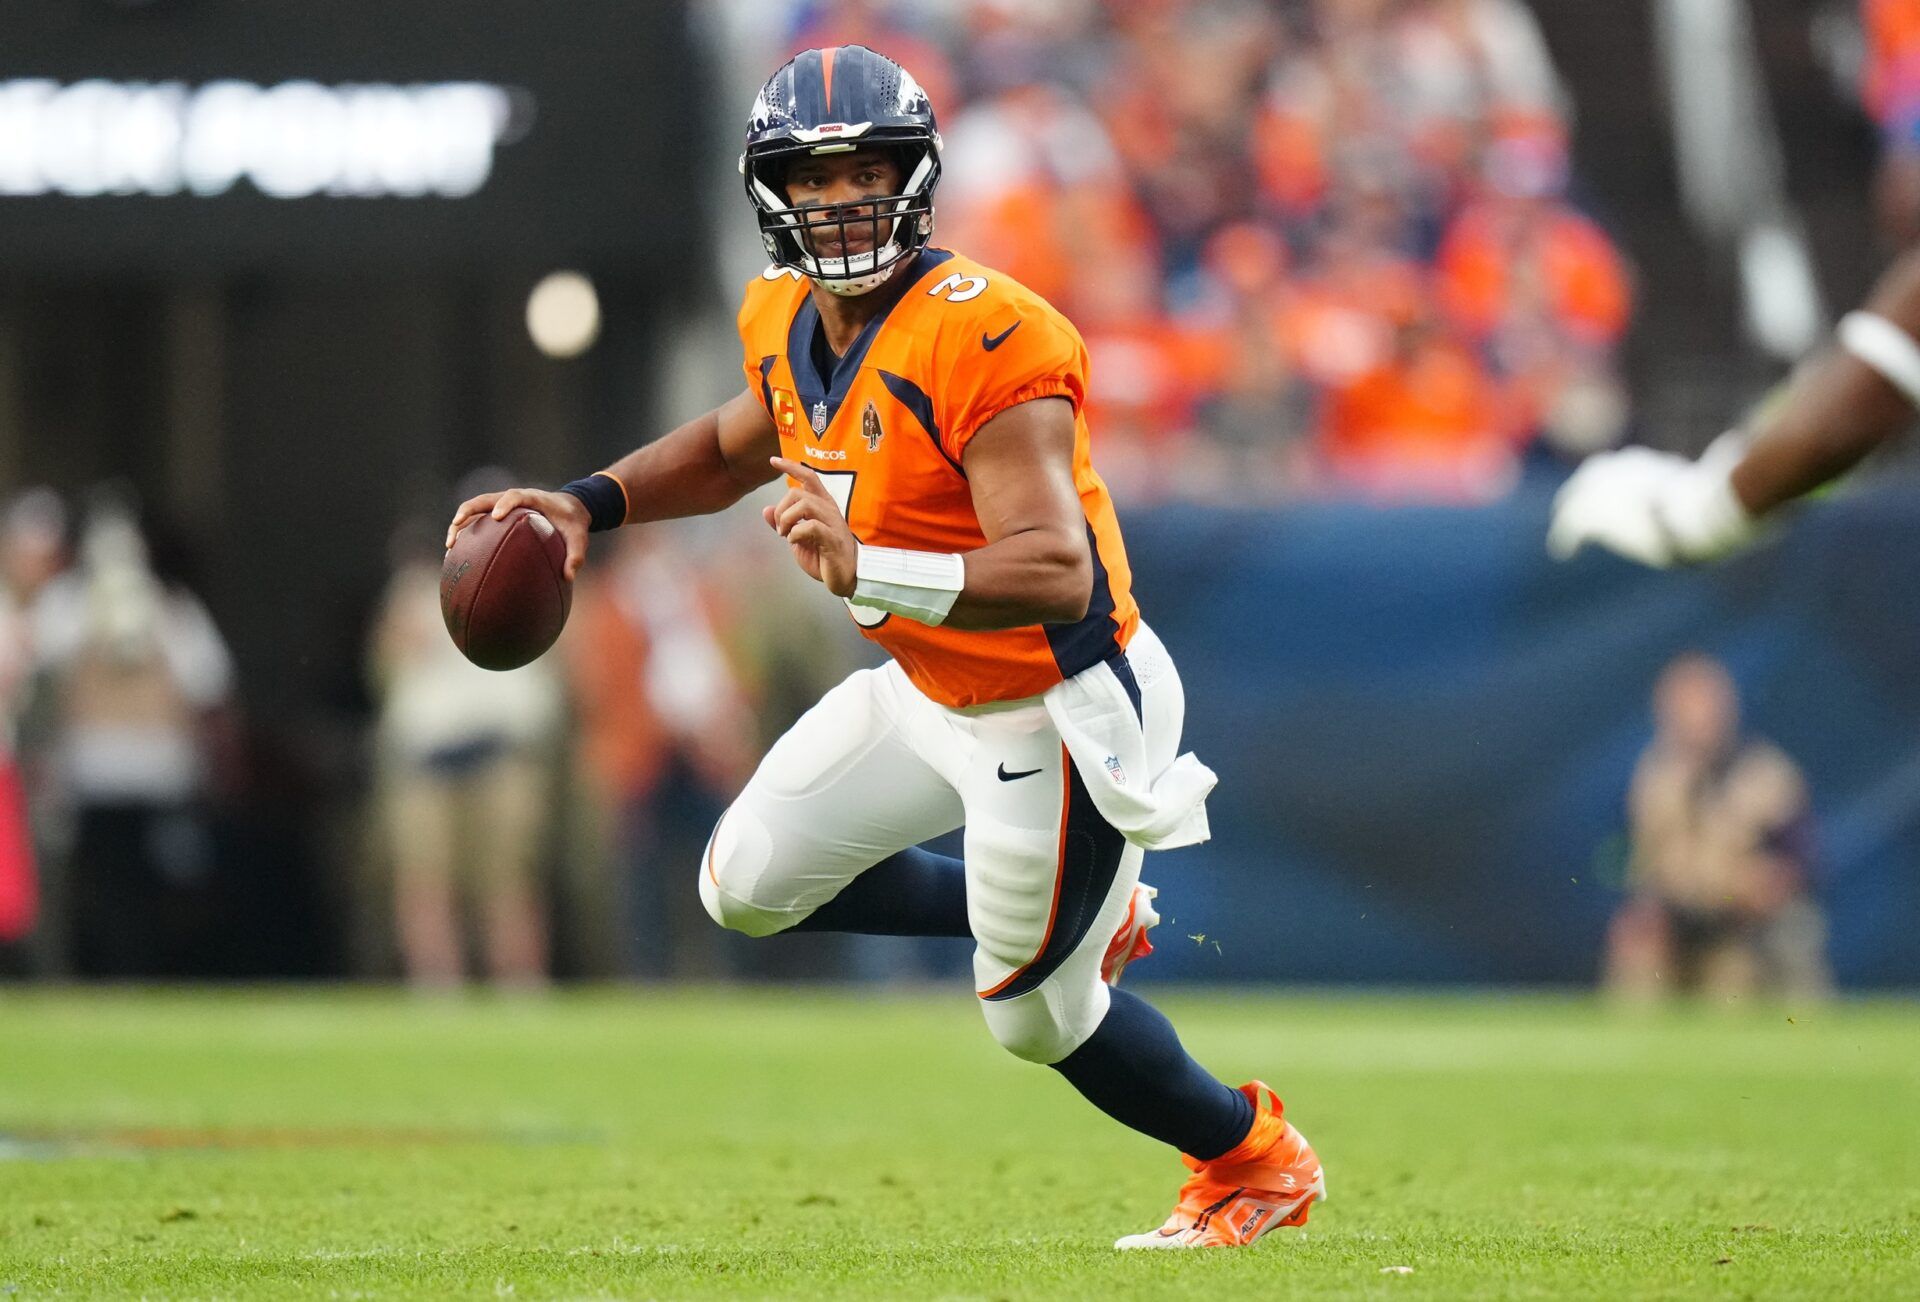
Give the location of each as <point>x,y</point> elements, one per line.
<point>959,288</point>
<point>839,486</point>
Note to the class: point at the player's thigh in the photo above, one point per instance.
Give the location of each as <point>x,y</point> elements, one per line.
<point>1042,863</point>
<point>1042,926</point>
<point>1048,880</point>
<point>842,790</point>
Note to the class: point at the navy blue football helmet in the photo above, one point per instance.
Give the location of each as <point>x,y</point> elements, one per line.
<point>833,101</point>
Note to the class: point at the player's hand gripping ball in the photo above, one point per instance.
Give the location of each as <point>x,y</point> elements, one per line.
<point>503,588</point>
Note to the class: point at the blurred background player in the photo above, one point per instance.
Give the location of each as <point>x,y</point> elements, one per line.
<point>465,783</point>
<point>1843,403</point>
<point>936,407</point>
<point>33,551</point>
<point>665,736</point>
<point>1721,856</point>
<point>1661,509</point>
<point>32,542</point>
<point>139,744</point>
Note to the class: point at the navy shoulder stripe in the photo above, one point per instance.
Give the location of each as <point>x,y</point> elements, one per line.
<point>766,387</point>
<point>915,399</point>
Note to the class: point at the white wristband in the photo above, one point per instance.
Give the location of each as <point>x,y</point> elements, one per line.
<point>919,585</point>
<point>1886,348</point>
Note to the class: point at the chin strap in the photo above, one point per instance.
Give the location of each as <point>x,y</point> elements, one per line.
<point>859,285</point>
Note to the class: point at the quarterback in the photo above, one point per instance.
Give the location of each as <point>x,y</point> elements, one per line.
<point>927,414</point>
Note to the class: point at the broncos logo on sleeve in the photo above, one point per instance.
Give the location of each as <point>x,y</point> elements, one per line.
<point>887,426</point>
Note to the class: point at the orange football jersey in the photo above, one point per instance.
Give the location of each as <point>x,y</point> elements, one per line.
<point>887,425</point>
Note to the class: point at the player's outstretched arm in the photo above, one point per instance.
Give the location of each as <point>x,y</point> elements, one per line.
<point>705,465</point>
<point>1846,401</point>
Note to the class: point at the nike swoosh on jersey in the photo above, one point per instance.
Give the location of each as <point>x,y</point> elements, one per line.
<point>1009,777</point>
<point>991,342</point>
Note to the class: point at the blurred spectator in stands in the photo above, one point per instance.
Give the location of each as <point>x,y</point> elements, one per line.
<point>1461,65</point>
<point>1540,290</point>
<point>464,783</point>
<point>141,684</point>
<point>1027,173</point>
<point>1257,404</point>
<point>19,878</point>
<point>1409,410</point>
<point>1892,89</point>
<point>33,551</point>
<point>891,26</point>
<point>1721,856</point>
<point>1174,96</point>
<point>1355,292</point>
<point>665,734</point>
<point>33,546</point>
<point>1424,425</point>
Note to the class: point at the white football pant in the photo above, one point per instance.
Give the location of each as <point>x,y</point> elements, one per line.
<point>876,767</point>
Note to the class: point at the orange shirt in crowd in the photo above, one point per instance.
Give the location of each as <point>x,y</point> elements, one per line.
<point>1429,413</point>
<point>1290,159</point>
<point>622,741</point>
<point>1341,322</point>
<point>1893,53</point>
<point>1495,252</point>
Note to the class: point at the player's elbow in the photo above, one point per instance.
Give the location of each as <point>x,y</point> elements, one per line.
<point>1072,586</point>
<point>1074,605</point>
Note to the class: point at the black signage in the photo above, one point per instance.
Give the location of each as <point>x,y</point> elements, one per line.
<point>223,134</point>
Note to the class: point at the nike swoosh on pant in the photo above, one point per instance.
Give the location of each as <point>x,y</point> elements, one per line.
<point>1009,777</point>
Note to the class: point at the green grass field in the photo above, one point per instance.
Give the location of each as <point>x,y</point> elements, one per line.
<point>801,1144</point>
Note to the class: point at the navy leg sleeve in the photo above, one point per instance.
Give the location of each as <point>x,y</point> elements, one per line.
<point>1134,1069</point>
<point>913,893</point>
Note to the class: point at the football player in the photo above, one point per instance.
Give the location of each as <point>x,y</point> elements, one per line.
<point>1663,510</point>
<point>928,415</point>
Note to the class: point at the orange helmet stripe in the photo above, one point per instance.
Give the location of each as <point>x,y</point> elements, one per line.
<point>826,75</point>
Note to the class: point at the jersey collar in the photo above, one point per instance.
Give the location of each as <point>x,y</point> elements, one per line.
<point>821,395</point>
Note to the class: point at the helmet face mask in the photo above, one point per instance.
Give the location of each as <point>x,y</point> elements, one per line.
<point>886,229</point>
<point>833,102</point>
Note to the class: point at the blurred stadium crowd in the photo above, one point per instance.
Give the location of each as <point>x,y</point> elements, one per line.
<point>1317,246</point>
<point>1890,92</point>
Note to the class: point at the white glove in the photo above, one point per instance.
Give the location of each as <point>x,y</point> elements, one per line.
<point>1653,507</point>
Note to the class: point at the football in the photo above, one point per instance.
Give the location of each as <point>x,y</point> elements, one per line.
<point>503,589</point>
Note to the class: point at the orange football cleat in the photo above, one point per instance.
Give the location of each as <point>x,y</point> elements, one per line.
<point>1130,941</point>
<point>1272,1178</point>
